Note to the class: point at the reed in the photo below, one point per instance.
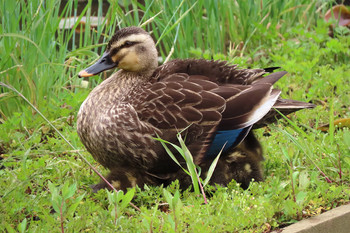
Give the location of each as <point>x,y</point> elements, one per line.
<point>42,60</point>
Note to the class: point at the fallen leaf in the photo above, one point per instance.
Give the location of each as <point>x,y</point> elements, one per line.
<point>339,12</point>
<point>339,123</point>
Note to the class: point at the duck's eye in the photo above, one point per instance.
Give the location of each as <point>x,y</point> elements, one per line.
<point>128,43</point>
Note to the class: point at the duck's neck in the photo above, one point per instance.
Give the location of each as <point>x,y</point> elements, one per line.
<point>121,83</point>
<point>142,76</point>
<point>119,86</point>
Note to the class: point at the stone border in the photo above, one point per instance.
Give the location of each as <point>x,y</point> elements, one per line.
<point>336,220</point>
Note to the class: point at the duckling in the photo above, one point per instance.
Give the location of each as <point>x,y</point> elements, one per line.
<point>241,163</point>
<point>214,104</point>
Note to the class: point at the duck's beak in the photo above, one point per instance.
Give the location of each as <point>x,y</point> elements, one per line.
<point>104,63</point>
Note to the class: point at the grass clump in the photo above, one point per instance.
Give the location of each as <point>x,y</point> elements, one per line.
<point>307,171</point>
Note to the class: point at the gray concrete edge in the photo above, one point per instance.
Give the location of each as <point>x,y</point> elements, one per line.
<point>336,220</point>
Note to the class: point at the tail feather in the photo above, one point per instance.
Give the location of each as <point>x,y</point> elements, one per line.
<point>271,69</point>
<point>284,106</point>
<point>292,104</point>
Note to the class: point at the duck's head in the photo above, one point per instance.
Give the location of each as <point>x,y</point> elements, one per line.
<point>131,49</point>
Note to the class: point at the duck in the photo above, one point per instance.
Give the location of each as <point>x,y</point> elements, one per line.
<point>215,105</point>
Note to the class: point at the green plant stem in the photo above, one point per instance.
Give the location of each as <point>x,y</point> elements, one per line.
<point>61,215</point>
<point>116,214</point>
<point>339,164</point>
<point>201,187</point>
<point>175,220</point>
<point>292,181</point>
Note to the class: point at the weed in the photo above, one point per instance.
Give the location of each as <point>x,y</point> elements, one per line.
<point>59,202</point>
<point>118,201</point>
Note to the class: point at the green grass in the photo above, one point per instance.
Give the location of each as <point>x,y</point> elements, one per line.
<point>307,171</point>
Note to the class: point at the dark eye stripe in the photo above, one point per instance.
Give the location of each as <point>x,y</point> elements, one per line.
<point>126,44</point>
<point>129,44</point>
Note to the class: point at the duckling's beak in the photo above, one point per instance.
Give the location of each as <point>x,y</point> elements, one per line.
<point>104,63</point>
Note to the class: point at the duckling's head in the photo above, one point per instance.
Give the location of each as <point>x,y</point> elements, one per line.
<point>131,49</point>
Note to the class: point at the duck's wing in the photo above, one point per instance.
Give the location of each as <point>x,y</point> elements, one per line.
<point>212,104</point>
<point>248,95</point>
<point>222,73</point>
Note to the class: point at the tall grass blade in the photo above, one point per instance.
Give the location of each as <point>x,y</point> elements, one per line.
<point>190,164</point>
<point>212,167</point>
<point>170,153</point>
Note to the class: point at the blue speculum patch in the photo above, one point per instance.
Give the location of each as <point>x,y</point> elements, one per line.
<point>231,137</point>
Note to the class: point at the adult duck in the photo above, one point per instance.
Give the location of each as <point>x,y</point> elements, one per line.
<point>216,103</point>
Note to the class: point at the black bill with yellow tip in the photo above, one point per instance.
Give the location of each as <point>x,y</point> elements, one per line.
<point>104,63</point>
